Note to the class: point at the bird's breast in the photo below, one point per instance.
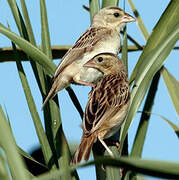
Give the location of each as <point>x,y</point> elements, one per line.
<point>90,75</point>
<point>110,45</point>
<point>116,121</point>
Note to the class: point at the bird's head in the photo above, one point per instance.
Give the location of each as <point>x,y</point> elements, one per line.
<point>106,63</point>
<point>112,17</point>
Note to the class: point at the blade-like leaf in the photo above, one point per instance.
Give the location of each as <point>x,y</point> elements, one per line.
<point>139,20</point>
<point>52,117</point>
<point>3,169</point>
<point>172,125</point>
<point>27,28</point>
<point>32,107</point>
<point>113,173</point>
<point>125,60</point>
<point>154,168</point>
<point>14,10</point>
<point>165,25</point>
<point>65,161</point>
<point>31,50</point>
<point>26,33</point>
<point>151,63</point>
<point>27,22</point>
<point>124,49</point>
<point>143,124</point>
<point>140,136</point>
<point>106,3</point>
<point>26,155</point>
<point>51,111</point>
<point>7,142</point>
<point>172,86</point>
<point>161,169</point>
<point>144,120</point>
<point>94,7</point>
<point>100,173</point>
<point>46,45</point>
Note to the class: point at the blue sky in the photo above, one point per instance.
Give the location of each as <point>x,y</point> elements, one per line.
<point>67,20</point>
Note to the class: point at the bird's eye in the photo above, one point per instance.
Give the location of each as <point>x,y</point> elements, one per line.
<point>100,59</point>
<point>116,15</point>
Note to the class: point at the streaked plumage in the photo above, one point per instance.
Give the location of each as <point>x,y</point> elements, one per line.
<point>102,36</point>
<point>107,104</point>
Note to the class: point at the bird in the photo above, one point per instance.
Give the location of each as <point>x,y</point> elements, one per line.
<point>107,106</point>
<point>102,36</point>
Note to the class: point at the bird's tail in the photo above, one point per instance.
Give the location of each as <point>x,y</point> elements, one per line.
<point>50,95</point>
<point>84,149</point>
<point>57,85</point>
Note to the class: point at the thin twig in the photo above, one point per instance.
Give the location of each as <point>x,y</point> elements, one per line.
<point>6,53</point>
<point>133,41</point>
<point>86,8</point>
<point>75,100</point>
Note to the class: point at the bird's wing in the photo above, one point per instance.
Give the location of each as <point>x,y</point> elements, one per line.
<point>105,100</point>
<point>85,43</point>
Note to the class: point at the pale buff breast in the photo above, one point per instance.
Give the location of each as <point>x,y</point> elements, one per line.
<point>108,127</point>
<point>109,44</point>
<point>116,121</point>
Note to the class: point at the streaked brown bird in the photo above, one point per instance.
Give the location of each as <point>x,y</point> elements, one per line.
<point>102,36</point>
<point>107,105</point>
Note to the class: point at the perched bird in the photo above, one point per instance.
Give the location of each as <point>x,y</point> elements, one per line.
<point>102,36</point>
<point>107,104</point>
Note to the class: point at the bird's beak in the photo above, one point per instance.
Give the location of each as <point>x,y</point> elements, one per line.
<point>90,64</point>
<point>128,18</point>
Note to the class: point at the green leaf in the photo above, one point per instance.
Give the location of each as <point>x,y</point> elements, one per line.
<point>16,15</point>
<point>165,25</point>
<point>173,87</point>
<point>155,168</point>
<point>31,50</point>
<point>139,140</point>
<point>107,3</point>
<point>27,23</point>
<point>125,49</point>
<point>144,120</point>
<point>52,117</point>
<point>172,125</point>
<point>125,60</point>
<point>65,161</point>
<point>3,167</point>
<point>100,173</point>
<point>37,71</point>
<point>51,111</point>
<point>7,142</point>
<point>166,22</point>
<point>46,45</point>
<point>151,63</point>
<point>28,33</point>
<point>140,136</point>
<point>161,169</point>
<point>94,7</point>
<point>113,173</point>
<point>32,107</point>
<point>26,155</point>
<point>140,23</point>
